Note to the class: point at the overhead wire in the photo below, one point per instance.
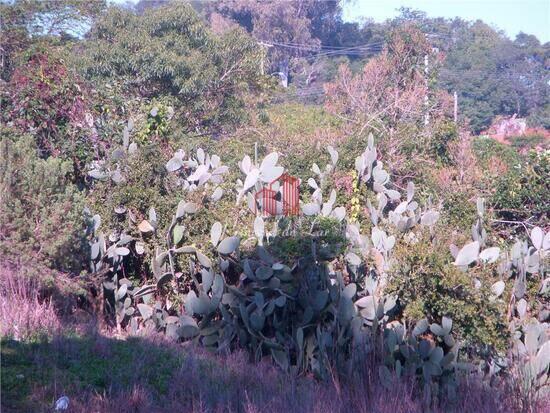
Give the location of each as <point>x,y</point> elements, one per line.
<point>321,50</point>
<point>316,51</point>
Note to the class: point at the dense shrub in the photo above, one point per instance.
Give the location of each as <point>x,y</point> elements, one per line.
<point>444,133</point>
<point>168,51</point>
<point>47,100</point>
<point>41,213</point>
<point>427,284</point>
<point>487,149</point>
<point>530,141</point>
<point>459,209</point>
<point>524,191</point>
<point>145,184</point>
<point>518,183</point>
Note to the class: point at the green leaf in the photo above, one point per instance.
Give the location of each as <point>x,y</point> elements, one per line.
<point>216,233</point>
<point>437,330</point>
<point>264,273</point>
<point>122,251</point>
<point>178,234</point>
<point>498,288</point>
<point>350,290</point>
<point>384,375</point>
<point>145,227</point>
<point>188,327</point>
<point>436,355</point>
<point>189,208</point>
<point>446,324</point>
<point>281,358</point>
<point>203,259</point>
<point>353,259</point>
<point>164,279</point>
<point>467,254</point>
<point>95,250</point>
<point>229,245</point>
<point>489,255</point>
<point>146,289</point>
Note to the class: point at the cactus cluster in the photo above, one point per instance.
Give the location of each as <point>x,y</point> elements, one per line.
<point>432,358</point>
<point>311,312</point>
<point>528,316</point>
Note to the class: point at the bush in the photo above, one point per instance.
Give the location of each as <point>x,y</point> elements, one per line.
<point>146,184</point>
<point>168,51</point>
<point>460,210</point>
<point>428,284</point>
<point>524,191</point>
<point>50,102</point>
<point>486,149</point>
<point>296,235</point>
<point>444,133</point>
<point>41,213</point>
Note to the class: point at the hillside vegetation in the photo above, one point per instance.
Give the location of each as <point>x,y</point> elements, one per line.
<point>143,268</point>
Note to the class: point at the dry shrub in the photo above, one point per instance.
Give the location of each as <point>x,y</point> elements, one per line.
<point>465,172</point>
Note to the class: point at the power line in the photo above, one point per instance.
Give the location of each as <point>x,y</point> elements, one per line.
<point>318,46</point>
<point>320,50</point>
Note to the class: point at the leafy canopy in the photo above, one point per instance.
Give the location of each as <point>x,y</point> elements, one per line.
<point>169,51</point>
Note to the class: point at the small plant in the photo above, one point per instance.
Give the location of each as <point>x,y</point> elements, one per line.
<point>156,124</point>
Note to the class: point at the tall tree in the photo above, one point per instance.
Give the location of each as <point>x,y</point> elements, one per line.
<point>168,51</point>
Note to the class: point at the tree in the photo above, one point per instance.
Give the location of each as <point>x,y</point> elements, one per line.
<point>23,22</point>
<point>391,88</point>
<point>168,51</point>
<point>391,96</point>
<point>492,74</point>
<point>495,76</point>
<point>46,99</point>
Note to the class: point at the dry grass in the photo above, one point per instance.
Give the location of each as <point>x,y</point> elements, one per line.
<point>101,373</point>
<point>22,311</point>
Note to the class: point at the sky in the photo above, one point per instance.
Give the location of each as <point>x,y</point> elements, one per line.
<point>512,16</point>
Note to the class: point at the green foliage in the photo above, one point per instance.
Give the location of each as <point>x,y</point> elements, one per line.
<point>414,353</point>
<point>300,133</point>
<point>170,250</point>
<point>294,237</point>
<point>428,285</point>
<point>540,117</point>
<point>42,211</point>
<point>524,191</point>
<point>445,133</point>
<point>156,125</point>
<point>493,74</point>
<point>528,142</point>
<point>145,184</point>
<point>29,22</point>
<point>520,188</point>
<point>459,209</point>
<point>486,149</point>
<point>169,51</point>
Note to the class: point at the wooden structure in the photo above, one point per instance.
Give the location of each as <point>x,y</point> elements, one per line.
<point>289,202</point>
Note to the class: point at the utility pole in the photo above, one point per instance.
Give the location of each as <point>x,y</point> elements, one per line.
<point>455,106</point>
